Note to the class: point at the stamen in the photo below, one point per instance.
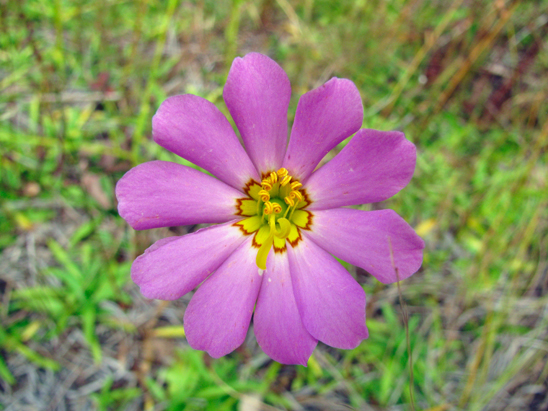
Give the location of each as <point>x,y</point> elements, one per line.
<point>275,215</point>
<point>285,181</point>
<point>295,185</point>
<point>292,211</point>
<point>276,208</point>
<point>265,195</point>
<point>268,207</point>
<point>286,211</point>
<point>266,185</point>
<point>297,194</point>
<point>282,172</point>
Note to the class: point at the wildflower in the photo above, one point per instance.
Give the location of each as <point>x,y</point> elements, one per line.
<point>278,221</point>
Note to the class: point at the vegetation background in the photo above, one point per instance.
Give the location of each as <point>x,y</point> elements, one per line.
<point>466,80</point>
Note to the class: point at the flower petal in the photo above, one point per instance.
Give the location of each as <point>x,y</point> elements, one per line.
<point>277,323</point>
<point>372,167</point>
<point>193,128</point>
<point>325,116</point>
<point>331,302</point>
<point>362,238</point>
<point>164,194</point>
<point>218,316</point>
<point>173,266</point>
<point>257,93</point>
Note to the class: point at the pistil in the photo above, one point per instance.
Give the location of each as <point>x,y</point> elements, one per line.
<point>283,232</point>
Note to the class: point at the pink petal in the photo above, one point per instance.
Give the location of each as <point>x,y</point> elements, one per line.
<point>195,129</point>
<point>325,116</point>
<point>173,266</point>
<point>218,316</point>
<point>257,93</point>
<point>372,167</point>
<point>362,238</point>
<point>331,302</point>
<point>278,326</point>
<point>164,194</point>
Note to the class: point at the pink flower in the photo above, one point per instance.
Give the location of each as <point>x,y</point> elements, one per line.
<point>279,222</point>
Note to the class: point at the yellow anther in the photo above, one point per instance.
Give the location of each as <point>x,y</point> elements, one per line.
<point>285,181</point>
<point>265,195</point>
<point>295,185</point>
<point>266,185</point>
<point>268,207</point>
<point>289,201</point>
<point>282,172</point>
<point>276,208</point>
<point>273,177</point>
<point>297,194</point>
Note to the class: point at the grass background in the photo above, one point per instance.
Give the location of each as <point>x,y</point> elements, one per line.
<point>466,80</point>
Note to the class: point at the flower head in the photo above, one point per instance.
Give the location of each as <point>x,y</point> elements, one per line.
<point>279,222</point>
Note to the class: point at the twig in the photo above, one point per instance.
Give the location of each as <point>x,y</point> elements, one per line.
<point>405,316</point>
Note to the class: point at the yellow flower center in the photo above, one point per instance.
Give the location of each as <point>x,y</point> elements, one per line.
<point>275,211</point>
